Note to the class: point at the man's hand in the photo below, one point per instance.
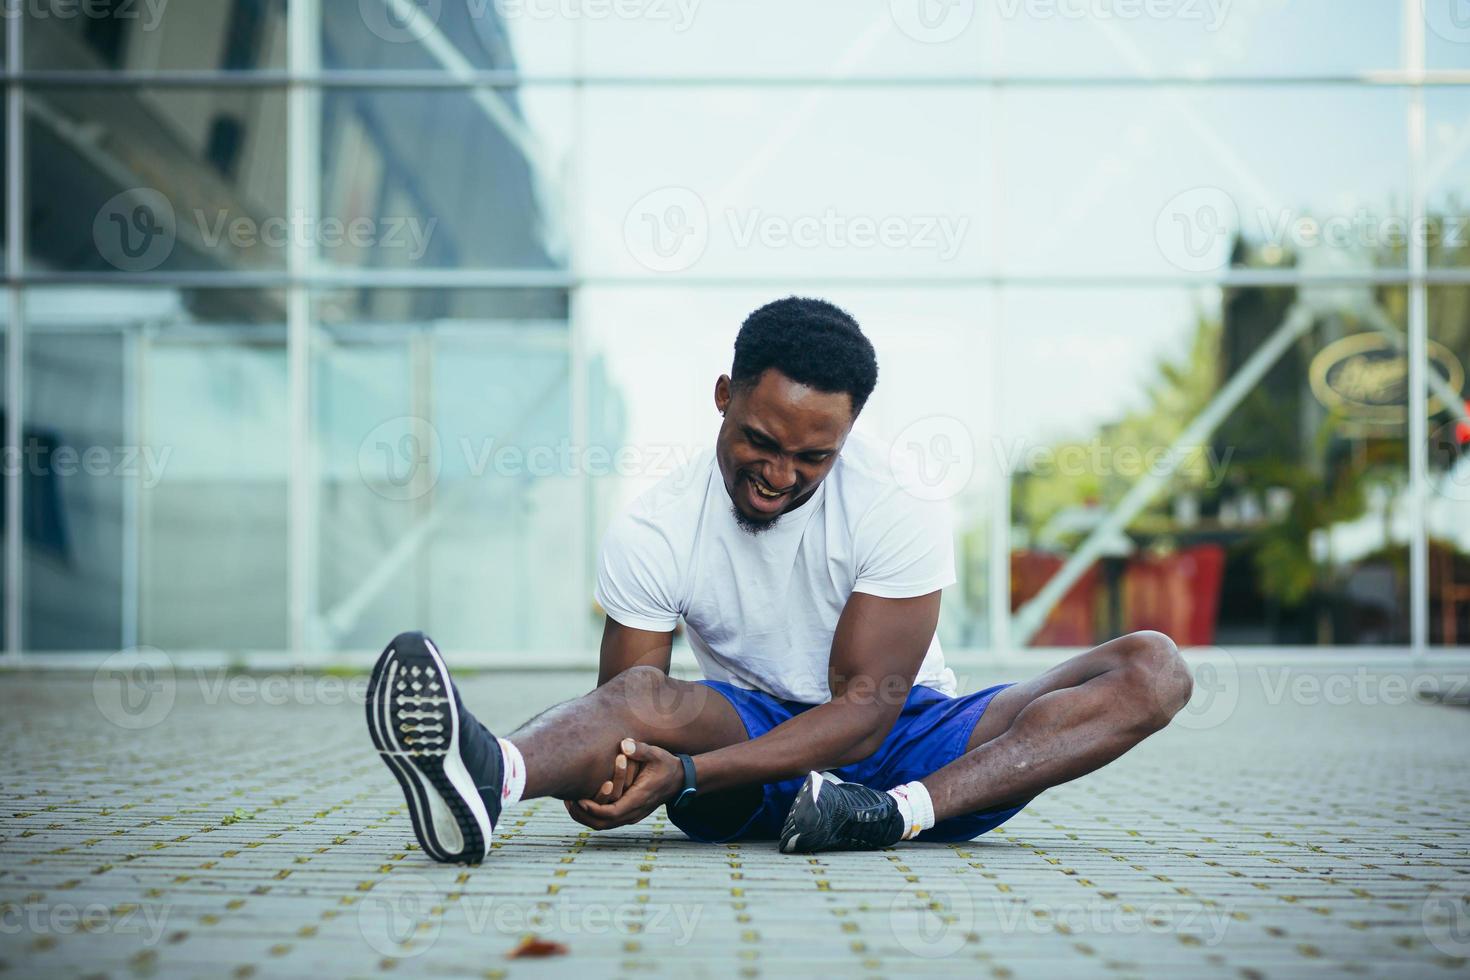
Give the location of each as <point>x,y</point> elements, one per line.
<point>623,774</point>
<point>658,780</point>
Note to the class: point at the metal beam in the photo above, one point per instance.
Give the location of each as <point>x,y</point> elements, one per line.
<point>303,120</point>
<point>1416,400</point>
<point>14,338</point>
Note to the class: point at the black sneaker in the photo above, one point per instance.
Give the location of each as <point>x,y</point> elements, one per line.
<point>830,815</point>
<point>448,764</point>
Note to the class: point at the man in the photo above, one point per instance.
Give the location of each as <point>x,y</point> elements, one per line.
<point>809,582</point>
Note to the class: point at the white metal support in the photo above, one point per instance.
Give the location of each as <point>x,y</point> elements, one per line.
<point>14,335</point>
<point>302,123</point>
<point>1418,396</point>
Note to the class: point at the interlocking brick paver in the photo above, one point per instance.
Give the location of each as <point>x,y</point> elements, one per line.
<point>243,835</point>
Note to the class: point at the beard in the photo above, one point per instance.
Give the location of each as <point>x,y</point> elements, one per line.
<point>751,526</point>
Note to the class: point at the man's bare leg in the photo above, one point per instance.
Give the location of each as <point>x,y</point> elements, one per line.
<point>1074,718</point>
<point>569,749</point>
<point>456,776</point>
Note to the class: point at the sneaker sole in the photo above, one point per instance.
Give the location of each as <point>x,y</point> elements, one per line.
<point>803,807</point>
<point>414,726</point>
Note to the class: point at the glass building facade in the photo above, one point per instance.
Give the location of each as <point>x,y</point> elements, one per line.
<point>330,318</point>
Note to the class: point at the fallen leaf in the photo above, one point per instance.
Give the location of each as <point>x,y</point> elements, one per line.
<point>535,946</point>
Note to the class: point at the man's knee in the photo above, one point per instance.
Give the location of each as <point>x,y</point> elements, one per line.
<point>1157,676</point>
<point>652,704</point>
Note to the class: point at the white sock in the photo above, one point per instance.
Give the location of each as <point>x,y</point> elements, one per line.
<point>915,806</point>
<point>514,783</point>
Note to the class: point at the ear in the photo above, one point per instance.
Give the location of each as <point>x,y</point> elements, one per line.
<point>723,393</point>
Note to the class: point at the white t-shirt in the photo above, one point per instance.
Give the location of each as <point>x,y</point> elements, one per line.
<point>761,608</point>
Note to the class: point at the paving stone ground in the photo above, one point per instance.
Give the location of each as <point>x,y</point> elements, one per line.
<point>1291,824</point>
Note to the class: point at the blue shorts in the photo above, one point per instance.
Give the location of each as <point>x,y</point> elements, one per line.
<point>931,732</point>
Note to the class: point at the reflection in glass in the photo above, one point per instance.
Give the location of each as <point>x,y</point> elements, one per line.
<point>1446,233</point>
<point>1287,524</point>
<point>372,35</point>
<point>1447,507</point>
<point>155,445</point>
<point>1162,181</point>
<point>443,179</point>
<point>786,182</point>
<point>1210,38</point>
<point>220,35</point>
<point>167,179</point>
<point>451,491</point>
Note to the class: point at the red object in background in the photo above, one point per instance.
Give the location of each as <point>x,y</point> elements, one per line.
<point>1070,623</point>
<point>1178,594</point>
<point>1462,428</point>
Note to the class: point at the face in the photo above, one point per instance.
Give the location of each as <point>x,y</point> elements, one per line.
<point>779,440</point>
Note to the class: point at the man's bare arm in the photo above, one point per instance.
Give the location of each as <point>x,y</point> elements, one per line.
<point>624,647</point>
<point>877,649</point>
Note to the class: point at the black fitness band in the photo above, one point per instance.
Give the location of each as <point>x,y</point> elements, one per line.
<point>689,789</point>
